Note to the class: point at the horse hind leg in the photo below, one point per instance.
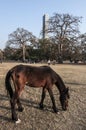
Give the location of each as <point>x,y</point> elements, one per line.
<point>13,111</point>
<point>42,98</point>
<point>15,100</point>
<point>20,108</point>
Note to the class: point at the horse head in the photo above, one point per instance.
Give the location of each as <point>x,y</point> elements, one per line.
<point>64,98</point>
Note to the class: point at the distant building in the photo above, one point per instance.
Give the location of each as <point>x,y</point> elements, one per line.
<point>45,25</point>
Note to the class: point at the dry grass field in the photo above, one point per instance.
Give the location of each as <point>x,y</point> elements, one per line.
<point>32,118</point>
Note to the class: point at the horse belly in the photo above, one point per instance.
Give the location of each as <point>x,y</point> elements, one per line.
<point>36,84</point>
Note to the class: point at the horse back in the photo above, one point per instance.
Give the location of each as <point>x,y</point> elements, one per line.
<point>33,75</point>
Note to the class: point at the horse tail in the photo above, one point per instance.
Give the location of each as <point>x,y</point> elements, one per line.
<point>8,83</point>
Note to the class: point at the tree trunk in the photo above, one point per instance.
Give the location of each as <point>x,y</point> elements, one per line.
<point>60,60</point>
<point>24,50</point>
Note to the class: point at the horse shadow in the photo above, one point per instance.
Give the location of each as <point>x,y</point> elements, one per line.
<point>35,104</point>
<point>73,83</point>
<point>25,102</point>
<point>3,98</point>
<point>4,109</point>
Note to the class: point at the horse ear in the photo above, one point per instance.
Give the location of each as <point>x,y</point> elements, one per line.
<point>67,90</point>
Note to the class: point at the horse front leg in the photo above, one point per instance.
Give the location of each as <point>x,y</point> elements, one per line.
<point>42,98</point>
<point>52,99</point>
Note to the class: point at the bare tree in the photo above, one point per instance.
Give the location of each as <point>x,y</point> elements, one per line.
<point>63,26</point>
<point>20,38</point>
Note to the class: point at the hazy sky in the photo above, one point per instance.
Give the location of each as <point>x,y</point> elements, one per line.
<point>28,14</point>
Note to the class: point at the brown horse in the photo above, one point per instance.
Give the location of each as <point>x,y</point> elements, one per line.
<point>42,76</point>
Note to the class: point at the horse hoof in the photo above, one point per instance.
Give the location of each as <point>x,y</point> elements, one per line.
<point>20,109</point>
<point>41,106</point>
<point>18,121</point>
<point>55,110</point>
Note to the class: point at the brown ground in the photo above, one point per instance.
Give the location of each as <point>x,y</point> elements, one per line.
<point>32,118</point>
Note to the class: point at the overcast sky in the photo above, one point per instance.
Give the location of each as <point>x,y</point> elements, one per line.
<point>28,14</point>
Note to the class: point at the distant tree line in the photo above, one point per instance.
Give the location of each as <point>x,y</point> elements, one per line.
<point>65,42</point>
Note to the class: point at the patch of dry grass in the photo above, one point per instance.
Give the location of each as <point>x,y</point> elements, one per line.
<point>32,117</point>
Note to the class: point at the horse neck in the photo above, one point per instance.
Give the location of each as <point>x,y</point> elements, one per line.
<point>60,84</point>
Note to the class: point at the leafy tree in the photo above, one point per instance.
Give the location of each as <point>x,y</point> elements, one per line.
<point>48,49</point>
<point>12,53</point>
<point>83,46</point>
<point>1,55</point>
